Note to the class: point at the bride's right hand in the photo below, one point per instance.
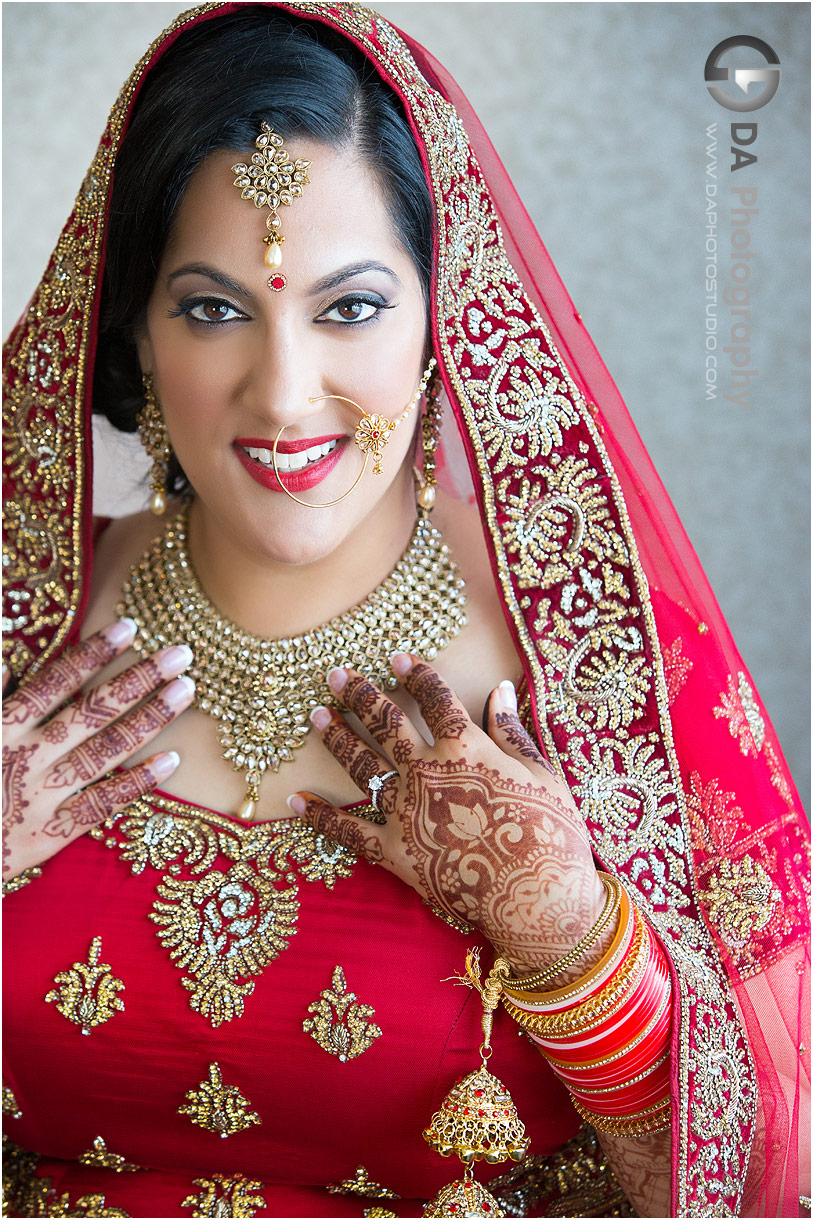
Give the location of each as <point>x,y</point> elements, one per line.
<point>53,764</point>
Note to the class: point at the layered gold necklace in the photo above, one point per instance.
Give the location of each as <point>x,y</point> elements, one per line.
<point>260,692</point>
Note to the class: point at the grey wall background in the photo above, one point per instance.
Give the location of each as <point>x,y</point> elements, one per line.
<point>599,112</point>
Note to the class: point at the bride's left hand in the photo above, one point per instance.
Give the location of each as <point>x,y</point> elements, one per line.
<point>477,823</point>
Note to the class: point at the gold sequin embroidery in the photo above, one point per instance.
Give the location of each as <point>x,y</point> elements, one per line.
<point>219,1108</point>
<point>739,707</point>
<point>226,1196</point>
<point>86,994</point>
<point>10,1103</point>
<point>740,898</point>
<point>362,1184</point>
<point>223,926</point>
<point>100,1157</point>
<point>21,880</point>
<point>341,1025</point>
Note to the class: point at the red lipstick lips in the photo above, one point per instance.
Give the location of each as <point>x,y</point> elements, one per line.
<point>294,480</point>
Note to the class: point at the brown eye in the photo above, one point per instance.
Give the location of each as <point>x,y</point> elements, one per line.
<point>353,309</point>
<point>213,311</point>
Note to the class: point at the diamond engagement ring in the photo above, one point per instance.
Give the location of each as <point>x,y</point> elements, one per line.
<point>375,783</point>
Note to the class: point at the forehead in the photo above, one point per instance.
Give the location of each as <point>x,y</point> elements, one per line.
<point>342,212</point>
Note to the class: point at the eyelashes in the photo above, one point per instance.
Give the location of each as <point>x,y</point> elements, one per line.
<point>357,309</point>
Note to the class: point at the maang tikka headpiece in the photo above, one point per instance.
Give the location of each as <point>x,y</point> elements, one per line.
<point>269,180</point>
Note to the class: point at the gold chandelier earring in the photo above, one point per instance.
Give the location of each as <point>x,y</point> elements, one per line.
<point>154,437</point>
<point>430,439</point>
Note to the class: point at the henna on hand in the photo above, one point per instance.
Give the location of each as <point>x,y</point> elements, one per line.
<point>354,833</point>
<point>358,760</point>
<point>99,802</point>
<point>487,833</point>
<point>520,740</point>
<point>59,680</point>
<point>445,716</point>
<point>110,747</point>
<point>16,765</point>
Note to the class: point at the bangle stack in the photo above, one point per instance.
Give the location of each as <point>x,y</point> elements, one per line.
<point>607,1035</point>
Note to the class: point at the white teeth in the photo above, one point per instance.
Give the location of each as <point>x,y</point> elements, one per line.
<point>292,461</point>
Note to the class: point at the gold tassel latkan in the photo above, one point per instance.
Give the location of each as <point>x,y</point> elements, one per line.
<point>477,1120</point>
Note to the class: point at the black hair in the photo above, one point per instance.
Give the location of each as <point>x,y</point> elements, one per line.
<point>210,91</point>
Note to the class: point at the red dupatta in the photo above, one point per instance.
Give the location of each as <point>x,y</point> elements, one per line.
<point>634,683</point>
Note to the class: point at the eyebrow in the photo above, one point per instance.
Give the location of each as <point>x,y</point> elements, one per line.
<point>321,286</point>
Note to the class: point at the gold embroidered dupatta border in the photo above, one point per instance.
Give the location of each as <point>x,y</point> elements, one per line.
<point>563,549</point>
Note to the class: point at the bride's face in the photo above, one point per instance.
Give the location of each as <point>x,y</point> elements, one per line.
<point>234,362</point>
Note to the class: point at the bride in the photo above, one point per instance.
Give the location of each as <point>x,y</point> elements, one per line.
<point>406,604</point>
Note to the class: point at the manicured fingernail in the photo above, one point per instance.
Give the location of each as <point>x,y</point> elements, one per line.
<point>296,802</point>
<point>164,764</point>
<point>121,632</point>
<point>320,718</point>
<point>508,695</point>
<point>173,660</point>
<point>179,692</point>
<point>337,679</point>
<point>401,663</point>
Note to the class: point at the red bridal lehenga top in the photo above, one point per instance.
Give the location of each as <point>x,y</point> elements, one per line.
<point>204,1018</point>
<point>242,1020</point>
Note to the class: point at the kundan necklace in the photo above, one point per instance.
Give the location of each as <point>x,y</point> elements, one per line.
<point>260,692</point>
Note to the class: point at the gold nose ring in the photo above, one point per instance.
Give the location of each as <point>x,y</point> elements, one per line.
<point>353,485</point>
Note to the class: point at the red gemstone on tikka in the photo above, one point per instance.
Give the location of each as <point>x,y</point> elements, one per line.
<point>478,1092</point>
<point>453,1207</point>
<point>486,1207</point>
<point>277,282</point>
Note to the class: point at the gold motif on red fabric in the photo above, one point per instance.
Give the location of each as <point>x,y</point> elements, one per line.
<point>223,925</point>
<point>740,899</point>
<point>10,1105</point>
<point>363,1185</point>
<point>221,1109</point>
<point>226,1196</point>
<point>100,1157</point>
<point>753,905</point>
<point>86,994</point>
<point>739,707</point>
<point>340,1024</point>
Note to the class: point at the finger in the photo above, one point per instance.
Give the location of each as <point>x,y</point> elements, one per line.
<point>106,703</point>
<point>508,731</point>
<point>6,676</point>
<point>445,715</point>
<point>383,719</point>
<point>356,834</point>
<point>116,744</point>
<point>66,675</point>
<point>359,761</point>
<point>100,801</point>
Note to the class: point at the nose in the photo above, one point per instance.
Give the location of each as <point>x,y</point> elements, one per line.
<point>278,381</point>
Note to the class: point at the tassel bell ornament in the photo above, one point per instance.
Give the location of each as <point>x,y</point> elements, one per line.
<point>477,1120</point>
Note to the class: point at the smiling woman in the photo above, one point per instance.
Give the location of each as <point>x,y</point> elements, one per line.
<point>311,289</point>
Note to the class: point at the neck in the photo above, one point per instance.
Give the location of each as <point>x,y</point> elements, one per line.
<point>273,599</point>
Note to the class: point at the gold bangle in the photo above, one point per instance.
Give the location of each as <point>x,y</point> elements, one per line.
<point>533,982</point>
<point>594,1063</point>
<point>623,1084</point>
<point>656,1118</point>
<point>569,992</point>
<point>596,1008</point>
